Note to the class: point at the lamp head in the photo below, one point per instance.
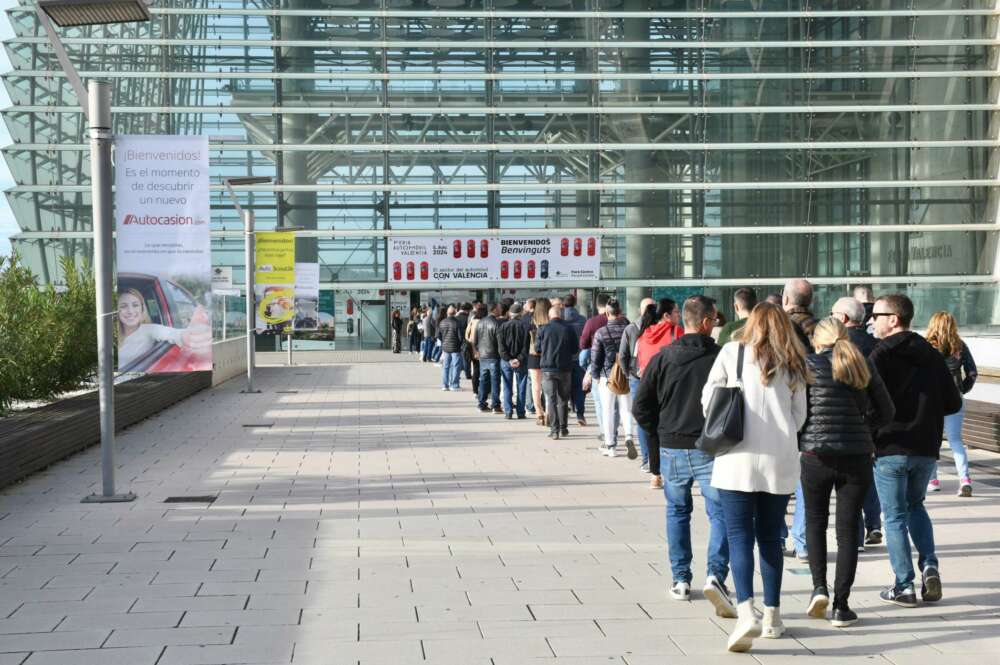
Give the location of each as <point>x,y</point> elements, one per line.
<point>74,13</point>
<point>248,180</point>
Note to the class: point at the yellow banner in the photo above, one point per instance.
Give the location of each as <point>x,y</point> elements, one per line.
<point>275,258</point>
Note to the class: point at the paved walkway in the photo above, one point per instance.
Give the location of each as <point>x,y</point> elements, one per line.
<point>377,519</point>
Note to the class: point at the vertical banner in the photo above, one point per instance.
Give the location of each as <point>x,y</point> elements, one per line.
<point>274,285</point>
<point>306,297</point>
<point>164,255</point>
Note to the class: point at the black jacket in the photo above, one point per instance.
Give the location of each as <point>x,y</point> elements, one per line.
<point>450,334</point>
<point>668,402</point>
<point>486,338</point>
<point>840,418</point>
<point>804,323</point>
<point>860,338</point>
<point>463,321</point>
<point>558,346</point>
<point>922,391</point>
<point>513,340</point>
<point>962,362</point>
<point>604,348</point>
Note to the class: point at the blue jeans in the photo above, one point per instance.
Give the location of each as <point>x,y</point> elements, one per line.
<point>872,511</point>
<point>953,431</point>
<point>633,385</point>
<point>426,346</point>
<point>436,352</point>
<point>799,523</point>
<point>513,379</point>
<point>681,468</point>
<point>579,400</point>
<point>755,516</point>
<point>452,370</point>
<point>594,392</point>
<point>902,487</point>
<point>489,382</point>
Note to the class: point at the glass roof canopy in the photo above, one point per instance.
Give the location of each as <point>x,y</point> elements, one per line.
<point>713,144</point>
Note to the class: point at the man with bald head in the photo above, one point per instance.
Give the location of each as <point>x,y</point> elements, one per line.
<point>851,313</point>
<point>796,300</point>
<point>558,346</point>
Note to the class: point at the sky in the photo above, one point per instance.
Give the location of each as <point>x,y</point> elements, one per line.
<point>7,224</point>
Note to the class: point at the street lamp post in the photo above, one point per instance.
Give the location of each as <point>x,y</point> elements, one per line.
<point>95,100</point>
<point>248,262</point>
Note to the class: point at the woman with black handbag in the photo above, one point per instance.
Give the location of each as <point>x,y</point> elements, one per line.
<point>756,476</point>
<point>847,402</point>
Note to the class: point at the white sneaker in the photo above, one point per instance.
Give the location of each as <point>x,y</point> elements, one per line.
<point>717,594</point>
<point>772,627</point>
<point>680,591</point>
<point>747,628</point>
<point>609,451</point>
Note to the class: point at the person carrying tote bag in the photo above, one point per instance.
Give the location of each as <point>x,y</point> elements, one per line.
<point>756,476</point>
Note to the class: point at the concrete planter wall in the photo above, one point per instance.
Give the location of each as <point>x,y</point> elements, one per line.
<point>33,440</point>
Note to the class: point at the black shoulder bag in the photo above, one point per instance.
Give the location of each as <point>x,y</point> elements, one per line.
<point>723,429</point>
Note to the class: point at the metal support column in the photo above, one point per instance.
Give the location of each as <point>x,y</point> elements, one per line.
<point>248,250</point>
<point>99,105</point>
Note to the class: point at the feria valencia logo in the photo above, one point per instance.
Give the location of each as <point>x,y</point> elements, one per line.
<point>164,220</point>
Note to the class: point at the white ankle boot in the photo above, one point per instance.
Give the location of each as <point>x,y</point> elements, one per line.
<point>772,628</point>
<point>748,627</point>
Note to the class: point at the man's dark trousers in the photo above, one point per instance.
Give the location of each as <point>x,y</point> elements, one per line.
<point>556,386</point>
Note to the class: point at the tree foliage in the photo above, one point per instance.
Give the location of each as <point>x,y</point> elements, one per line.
<point>48,336</point>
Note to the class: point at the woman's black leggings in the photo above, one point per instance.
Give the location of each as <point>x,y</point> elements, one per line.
<point>850,476</point>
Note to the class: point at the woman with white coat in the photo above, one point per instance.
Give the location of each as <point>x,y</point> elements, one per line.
<point>757,476</point>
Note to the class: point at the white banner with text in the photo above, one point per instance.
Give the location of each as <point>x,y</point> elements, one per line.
<point>164,254</point>
<point>488,258</point>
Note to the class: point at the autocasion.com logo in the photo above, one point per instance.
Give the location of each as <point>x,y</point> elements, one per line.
<point>165,220</point>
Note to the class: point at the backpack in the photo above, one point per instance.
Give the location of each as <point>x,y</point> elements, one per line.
<point>618,380</point>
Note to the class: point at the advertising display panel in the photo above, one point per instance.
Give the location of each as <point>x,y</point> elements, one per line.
<point>429,260</point>
<point>306,296</point>
<point>164,257</point>
<point>275,282</point>
<point>479,259</point>
<point>567,259</point>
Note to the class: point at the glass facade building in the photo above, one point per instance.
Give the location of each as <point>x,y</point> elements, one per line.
<point>712,143</point>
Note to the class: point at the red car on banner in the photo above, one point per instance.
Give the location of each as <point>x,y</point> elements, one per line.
<point>161,327</point>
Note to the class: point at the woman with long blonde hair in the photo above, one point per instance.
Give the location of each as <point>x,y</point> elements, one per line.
<point>138,335</point>
<point>539,318</point>
<point>756,477</point>
<point>847,402</point>
<point>942,333</point>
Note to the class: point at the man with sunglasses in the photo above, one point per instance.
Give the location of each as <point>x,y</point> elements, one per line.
<point>906,450</point>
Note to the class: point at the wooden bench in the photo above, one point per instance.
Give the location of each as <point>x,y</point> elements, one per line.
<point>981,428</point>
<point>33,440</point>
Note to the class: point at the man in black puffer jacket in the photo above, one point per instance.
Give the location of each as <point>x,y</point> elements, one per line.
<point>614,407</point>
<point>668,406</point>
<point>450,334</point>
<point>513,339</point>
<point>907,449</point>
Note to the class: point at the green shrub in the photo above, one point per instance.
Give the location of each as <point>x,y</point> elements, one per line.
<point>48,337</point>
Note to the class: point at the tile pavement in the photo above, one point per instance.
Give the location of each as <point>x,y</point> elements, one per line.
<point>380,520</point>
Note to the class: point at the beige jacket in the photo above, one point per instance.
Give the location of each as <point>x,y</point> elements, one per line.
<point>768,458</point>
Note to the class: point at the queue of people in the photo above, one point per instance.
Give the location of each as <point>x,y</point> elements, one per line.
<point>854,404</point>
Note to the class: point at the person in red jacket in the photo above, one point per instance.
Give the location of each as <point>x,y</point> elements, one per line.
<point>661,331</point>
<point>659,328</point>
